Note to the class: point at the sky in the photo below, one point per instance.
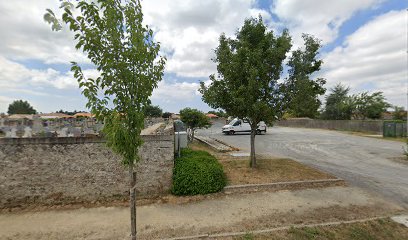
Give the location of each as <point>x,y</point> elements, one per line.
<point>364,47</point>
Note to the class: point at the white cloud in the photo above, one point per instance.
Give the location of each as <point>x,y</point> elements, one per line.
<point>320,18</point>
<point>189,30</point>
<point>19,78</point>
<point>374,56</point>
<point>173,92</point>
<point>25,35</point>
<point>4,102</point>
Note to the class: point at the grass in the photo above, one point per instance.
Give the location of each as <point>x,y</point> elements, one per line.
<point>381,229</point>
<point>269,170</point>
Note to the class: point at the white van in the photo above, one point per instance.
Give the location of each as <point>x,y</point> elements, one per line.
<point>238,125</point>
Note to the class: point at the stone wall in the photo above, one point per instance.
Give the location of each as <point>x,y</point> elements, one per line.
<point>369,126</point>
<point>68,170</point>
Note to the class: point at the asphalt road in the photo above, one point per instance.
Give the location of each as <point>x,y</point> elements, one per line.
<point>365,162</point>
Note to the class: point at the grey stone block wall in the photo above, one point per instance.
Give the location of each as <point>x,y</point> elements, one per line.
<point>65,170</point>
<point>369,126</point>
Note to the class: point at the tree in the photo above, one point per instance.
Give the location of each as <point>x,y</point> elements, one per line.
<point>166,115</point>
<point>20,107</point>
<point>339,106</point>
<point>369,106</point>
<point>194,119</point>
<point>249,68</point>
<point>112,35</point>
<point>305,92</point>
<point>153,111</point>
<point>399,113</point>
<point>69,112</point>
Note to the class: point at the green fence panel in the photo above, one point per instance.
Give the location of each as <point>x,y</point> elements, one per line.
<point>394,129</point>
<point>389,129</point>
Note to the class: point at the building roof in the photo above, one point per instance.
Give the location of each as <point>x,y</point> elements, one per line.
<point>21,116</point>
<point>54,115</point>
<point>84,114</point>
<point>210,115</point>
<point>175,116</point>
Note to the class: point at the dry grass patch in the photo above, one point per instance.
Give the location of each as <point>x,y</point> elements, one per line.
<point>269,170</point>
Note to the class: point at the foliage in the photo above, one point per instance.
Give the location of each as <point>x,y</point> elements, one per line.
<point>20,107</point>
<point>369,106</point>
<point>339,106</point>
<point>69,112</point>
<point>305,92</point>
<point>249,67</point>
<point>399,113</point>
<point>152,111</point>
<point>166,115</point>
<point>197,172</point>
<point>194,119</point>
<point>248,236</point>
<point>112,35</point>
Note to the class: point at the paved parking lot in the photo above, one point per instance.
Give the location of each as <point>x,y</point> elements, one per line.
<point>372,164</point>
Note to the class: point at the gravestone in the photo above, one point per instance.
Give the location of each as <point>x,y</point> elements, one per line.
<point>28,133</point>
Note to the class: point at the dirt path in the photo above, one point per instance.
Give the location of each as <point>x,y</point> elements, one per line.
<point>232,212</point>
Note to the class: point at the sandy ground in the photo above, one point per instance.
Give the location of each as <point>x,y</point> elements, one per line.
<point>364,162</point>
<point>229,213</point>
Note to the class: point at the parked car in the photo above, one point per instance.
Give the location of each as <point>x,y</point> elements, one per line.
<point>239,125</point>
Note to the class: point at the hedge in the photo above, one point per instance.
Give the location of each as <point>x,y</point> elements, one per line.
<point>197,172</point>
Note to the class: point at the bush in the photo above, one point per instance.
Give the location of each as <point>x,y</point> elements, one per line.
<point>197,172</point>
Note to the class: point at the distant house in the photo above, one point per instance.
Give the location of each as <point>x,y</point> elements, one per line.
<point>175,116</point>
<point>389,115</point>
<point>54,116</point>
<point>210,115</point>
<point>20,116</point>
<point>84,115</point>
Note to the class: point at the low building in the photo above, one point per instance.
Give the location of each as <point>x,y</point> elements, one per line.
<point>21,116</point>
<point>84,115</point>
<point>54,116</point>
<point>210,115</point>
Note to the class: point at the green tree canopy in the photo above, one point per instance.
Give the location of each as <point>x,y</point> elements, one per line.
<point>20,107</point>
<point>339,106</point>
<point>249,67</point>
<point>399,113</point>
<point>194,119</point>
<point>112,35</point>
<point>219,113</point>
<point>342,106</point>
<point>369,105</point>
<point>166,115</point>
<point>304,91</point>
<point>152,111</point>
<point>69,112</point>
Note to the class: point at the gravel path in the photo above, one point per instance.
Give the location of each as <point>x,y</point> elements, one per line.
<point>166,220</point>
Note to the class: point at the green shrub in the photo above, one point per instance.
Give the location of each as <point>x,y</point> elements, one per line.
<point>197,172</point>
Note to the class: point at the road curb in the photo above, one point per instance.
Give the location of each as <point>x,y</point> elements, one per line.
<point>213,143</point>
<point>292,185</point>
<point>269,230</point>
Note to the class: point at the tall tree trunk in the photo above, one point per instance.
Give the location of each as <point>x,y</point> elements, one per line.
<point>132,203</point>
<point>192,134</point>
<point>252,155</point>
